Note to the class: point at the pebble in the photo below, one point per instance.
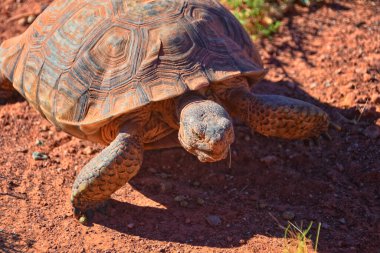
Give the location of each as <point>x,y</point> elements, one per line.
<point>349,99</point>
<point>269,160</point>
<point>313,85</point>
<point>22,150</point>
<point>131,225</point>
<point>325,226</point>
<point>342,220</point>
<point>327,84</point>
<point>44,128</point>
<point>39,143</point>
<point>152,170</point>
<point>200,201</point>
<point>184,203</point>
<point>288,215</point>
<point>88,151</point>
<point>30,19</point>
<point>22,21</point>
<point>214,220</point>
<point>372,132</point>
<point>196,183</point>
<point>262,205</point>
<point>179,198</point>
<point>39,156</point>
<point>242,241</point>
<point>164,175</point>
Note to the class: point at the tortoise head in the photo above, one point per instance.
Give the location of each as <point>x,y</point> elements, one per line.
<point>206,130</point>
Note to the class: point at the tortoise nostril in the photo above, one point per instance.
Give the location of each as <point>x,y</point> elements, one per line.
<point>198,131</point>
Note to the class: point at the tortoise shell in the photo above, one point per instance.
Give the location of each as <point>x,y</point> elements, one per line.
<point>84,63</point>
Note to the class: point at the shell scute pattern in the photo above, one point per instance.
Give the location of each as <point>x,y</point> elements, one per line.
<point>85,63</point>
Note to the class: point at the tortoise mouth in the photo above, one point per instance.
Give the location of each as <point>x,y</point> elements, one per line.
<point>204,154</point>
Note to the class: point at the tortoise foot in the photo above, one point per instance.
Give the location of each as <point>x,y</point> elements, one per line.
<point>84,217</point>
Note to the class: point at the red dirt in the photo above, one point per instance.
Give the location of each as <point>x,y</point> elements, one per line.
<point>329,56</point>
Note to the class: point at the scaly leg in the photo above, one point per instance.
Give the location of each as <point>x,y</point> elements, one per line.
<point>108,171</point>
<point>272,115</point>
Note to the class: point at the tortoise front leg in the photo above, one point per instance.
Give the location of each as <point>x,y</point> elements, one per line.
<point>272,115</point>
<point>108,171</point>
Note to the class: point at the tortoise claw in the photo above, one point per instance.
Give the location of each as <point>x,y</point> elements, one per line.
<point>84,217</point>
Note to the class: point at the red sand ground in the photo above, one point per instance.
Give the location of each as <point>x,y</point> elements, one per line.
<point>329,56</point>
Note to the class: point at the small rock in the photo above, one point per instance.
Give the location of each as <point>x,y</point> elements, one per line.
<point>22,21</point>
<point>164,175</point>
<point>179,198</point>
<point>288,215</point>
<point>325,226</point>
<point>44,128</point>
<point>196,183</point>
<point>152,170</point>
<point>342,220</point>
<point>214,220</point>
<point>242,241</point>
<point>31,18</point>
<point>200,201</point>
<point>131,225</point>
<point>372,132</point>
<point>349,99</point>
<point>262,204</point>
<point>39,143</point>
<point>313,85</point>
<point>269,160</point>
<point>22,150</point>
<point>184,203</point>
<point>247,138</point>
<point>88,151</point>
<point>39,156</point>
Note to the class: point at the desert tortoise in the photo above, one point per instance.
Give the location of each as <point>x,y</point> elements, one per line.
<point>136,75</point>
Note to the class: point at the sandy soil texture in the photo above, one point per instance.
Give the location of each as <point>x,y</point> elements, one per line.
<point>328,55</point>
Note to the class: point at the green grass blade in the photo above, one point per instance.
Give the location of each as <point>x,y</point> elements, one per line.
<point>317,239</point>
